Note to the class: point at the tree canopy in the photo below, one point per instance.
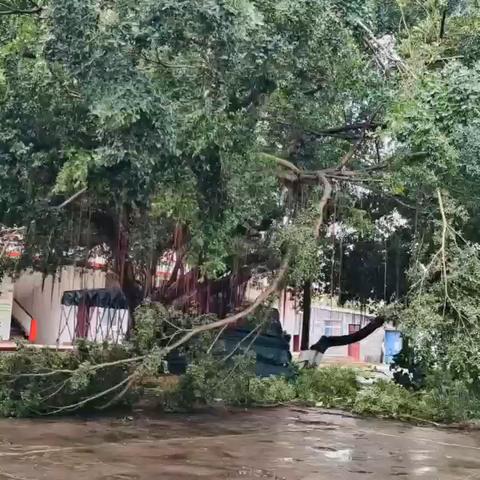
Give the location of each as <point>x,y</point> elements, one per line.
<point>342,135</point>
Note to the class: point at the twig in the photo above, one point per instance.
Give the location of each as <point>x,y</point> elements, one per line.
<point>56,391</point>
<point>237,346</point>
<point>375,45</point>
<point>426,270</point>
<point>244,353</point>
<point>443,246</point>
<point>83,402</point>
<point>215,340</point>
<point>176,327</point>
<point>120,394</point>
<point>72,198</point>
<point>173,336</point>
<point>90,369</point>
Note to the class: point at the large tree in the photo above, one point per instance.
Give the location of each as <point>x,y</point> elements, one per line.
<point>136,118</point>
<point>266,137</point>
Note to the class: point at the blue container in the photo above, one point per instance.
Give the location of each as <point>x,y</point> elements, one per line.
<point>393,345</point>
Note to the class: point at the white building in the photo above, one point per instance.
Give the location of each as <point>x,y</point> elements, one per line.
<point>332,321</point>
<point>38,309</point>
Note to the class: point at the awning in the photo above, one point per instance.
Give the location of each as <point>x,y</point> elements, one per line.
<point>100,297</point>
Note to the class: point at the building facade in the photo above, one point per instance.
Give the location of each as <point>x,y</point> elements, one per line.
<point>331,320</point>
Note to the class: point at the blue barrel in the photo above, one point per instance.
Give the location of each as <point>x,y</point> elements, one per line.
<point>393,344</point>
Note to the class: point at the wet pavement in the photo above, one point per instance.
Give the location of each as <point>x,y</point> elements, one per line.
<point>290,444</point>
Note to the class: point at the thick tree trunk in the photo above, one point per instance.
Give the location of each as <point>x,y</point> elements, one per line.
<point>307,308</point>
<point>326,342</point>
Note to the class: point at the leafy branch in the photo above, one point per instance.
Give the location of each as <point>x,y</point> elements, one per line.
<point>12,9</point>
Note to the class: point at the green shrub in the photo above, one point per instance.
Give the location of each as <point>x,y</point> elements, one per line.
<point>443,400</point>
<point>155,325</point>
<point>208,380</point>
<point>272,390</point>
<point>330,387</point>
<point>386,399</point>
<point>34,382</point>
<point>449,400</point>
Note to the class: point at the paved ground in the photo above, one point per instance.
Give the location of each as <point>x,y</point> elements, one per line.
<point>273,444</point>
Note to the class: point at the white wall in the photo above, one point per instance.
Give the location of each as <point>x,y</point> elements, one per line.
<point>290,320</point>
<point>371,347</point>
<point>6,300</point>
<point>42,299</point>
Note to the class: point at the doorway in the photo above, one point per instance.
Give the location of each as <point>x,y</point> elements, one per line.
<point>354,348</point>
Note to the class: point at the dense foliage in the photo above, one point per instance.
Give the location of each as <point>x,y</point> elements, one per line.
<point>443,399</point>
<point>343,135</point>
<point>43,382</point>
<point>46,382</point>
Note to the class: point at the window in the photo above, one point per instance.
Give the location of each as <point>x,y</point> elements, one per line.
<point>332,328</point>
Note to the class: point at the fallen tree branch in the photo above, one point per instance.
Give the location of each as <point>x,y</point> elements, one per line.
<point>101,394</point>
<point>215,340</point>
<point>443,248</point>
<point>93,368</point>
<point>19,11</point>
<point>338,341</point>
<point>72,198</point>
<point>131,380</point>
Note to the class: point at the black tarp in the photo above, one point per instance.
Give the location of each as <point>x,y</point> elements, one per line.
<point>271,348</point>
<point>100,297</point>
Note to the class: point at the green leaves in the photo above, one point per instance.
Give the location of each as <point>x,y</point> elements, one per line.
<point>74,173</point>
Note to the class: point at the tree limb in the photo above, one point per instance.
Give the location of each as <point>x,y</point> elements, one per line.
<point>21,12</point>
<point>282,162</point>
<point>349,155</point>
<point>348,131</point>
<point>72,198</point>
<point>293,174</point>
<point>6,9</point>
<point>69,371</point>
<point>443,247</point>
<point>443,22</point>
<point>337,341</point>
<point>101,394</point>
